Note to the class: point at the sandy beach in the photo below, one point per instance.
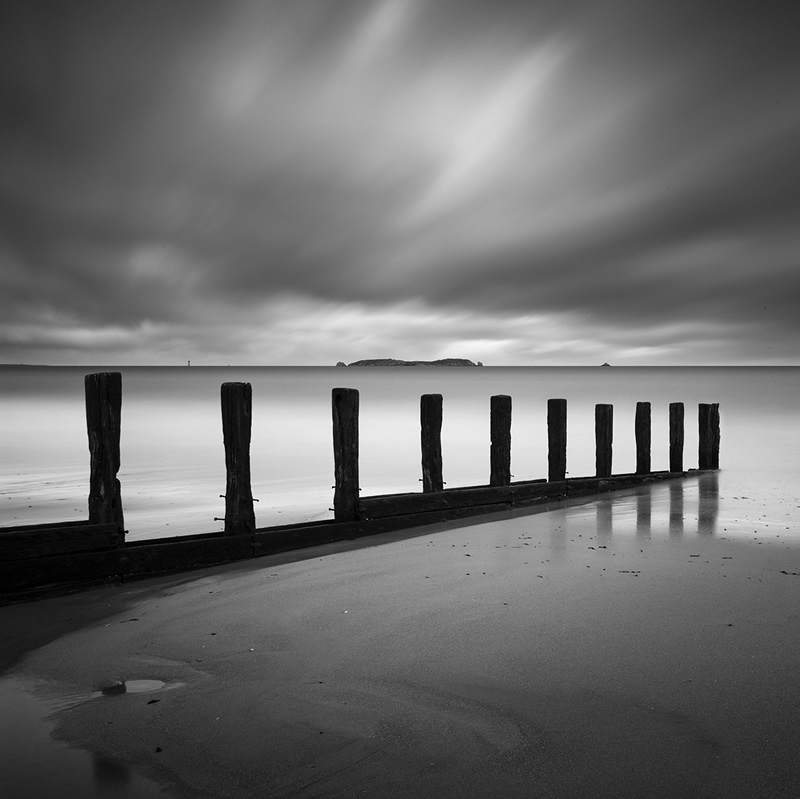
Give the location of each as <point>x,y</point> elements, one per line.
<point>275,273</point>
<point>641,645</point>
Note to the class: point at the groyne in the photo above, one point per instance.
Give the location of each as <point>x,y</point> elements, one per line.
<point>62,555</point>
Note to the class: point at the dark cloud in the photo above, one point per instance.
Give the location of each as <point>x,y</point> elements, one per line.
<point>624,166</point>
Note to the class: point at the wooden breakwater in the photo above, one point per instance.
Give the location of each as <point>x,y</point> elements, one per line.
<point>56,556</point>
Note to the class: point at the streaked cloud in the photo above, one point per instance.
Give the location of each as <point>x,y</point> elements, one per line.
<point>512,183</point>
<point>488,142</point>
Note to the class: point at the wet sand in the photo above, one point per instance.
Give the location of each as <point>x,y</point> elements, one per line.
<point>641,645</point>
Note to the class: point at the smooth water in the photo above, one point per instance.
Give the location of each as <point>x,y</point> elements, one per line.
<point>35,765</point>
<point>173,468</point>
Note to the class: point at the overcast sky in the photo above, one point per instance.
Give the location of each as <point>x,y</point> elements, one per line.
<point>308,181</point>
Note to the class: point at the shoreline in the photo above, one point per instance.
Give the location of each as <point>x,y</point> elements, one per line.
<point>607,648</point>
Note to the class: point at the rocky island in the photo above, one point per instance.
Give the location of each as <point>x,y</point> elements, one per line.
<point>395,362</point>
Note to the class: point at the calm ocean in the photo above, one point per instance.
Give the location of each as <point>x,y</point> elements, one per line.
<point>173,460</point>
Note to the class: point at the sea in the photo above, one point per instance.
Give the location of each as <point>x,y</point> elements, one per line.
<point>172,456</point>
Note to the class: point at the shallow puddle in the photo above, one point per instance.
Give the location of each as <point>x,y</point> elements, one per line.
<point>143,686</point>
<point>37,766</point>
<point>136,687</point>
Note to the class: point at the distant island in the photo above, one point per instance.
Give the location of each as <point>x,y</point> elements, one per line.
<point>395,362</point>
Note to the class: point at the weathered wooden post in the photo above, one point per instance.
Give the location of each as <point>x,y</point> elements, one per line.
<point>643,431</point>
<point>500,426</point>
<point>103,423</point>
<point>604,437</point>
<point>430,417</point>
<point>556,439</point>
<point>708,424</point>
<point>237,414</point>
<point>345,453</point>
<point>676,436</point>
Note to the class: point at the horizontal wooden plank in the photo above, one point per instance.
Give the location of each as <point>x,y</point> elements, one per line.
<point>140,558</point>
<point>284,539</point>
<point>171,539</point>
<point>176,555</point>
<point>524,495</point>
<point>70,569</point>
<point>410,520</point>
<point>387,505</point>
<point>404,504</point>
<point>542,490</point>
<point>274,540</point>
<point>37,542</point>
<point>516,494</point>
<point>46,526</point>
<point>471,489</point>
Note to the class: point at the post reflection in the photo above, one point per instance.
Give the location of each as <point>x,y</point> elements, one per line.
<point>708,503</point>
<point>605,517</point>
<point>676,507</point>
<point>111,774</point>
<point>644,512</point>
<point>558,533</point>
<point>660,508</point>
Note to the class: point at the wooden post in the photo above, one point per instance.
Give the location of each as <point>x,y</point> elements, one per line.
<point>604,437</point>
<point>103,422</point>
<point>345,453</point>
<point>237,413</point>
<point>643,431</point>
<point>430,417</point>
<point>500,424</point>
<point>708,424</point>
<point>676,436</point>
<point>556,439</point>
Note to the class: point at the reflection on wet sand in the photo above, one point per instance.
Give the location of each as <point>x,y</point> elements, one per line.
<point>708,504</point>
<point>34,763</point>
<point>466,662</point>
<point>676,508</point>
<point>109,774</point>
<point>605,516</point>
<point>644,513</point>
<point>655,508</point>
<point>558,532</point>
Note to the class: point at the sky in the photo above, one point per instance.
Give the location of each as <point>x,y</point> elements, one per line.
<point>567,182</point>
